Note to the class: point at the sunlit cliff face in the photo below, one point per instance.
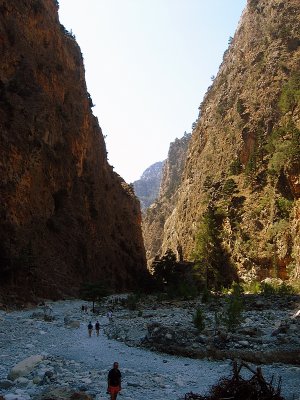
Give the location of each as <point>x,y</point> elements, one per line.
<point>244,154</point>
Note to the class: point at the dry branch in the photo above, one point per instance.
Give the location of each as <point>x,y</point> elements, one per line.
<point>238,388</point>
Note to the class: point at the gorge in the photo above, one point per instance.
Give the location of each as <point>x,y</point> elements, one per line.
<point>68,219</point>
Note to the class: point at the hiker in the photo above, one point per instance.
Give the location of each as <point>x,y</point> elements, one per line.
<point>109,315</point>
<point>90,328</point>
<point>97,327</point>
<point>114,381</point>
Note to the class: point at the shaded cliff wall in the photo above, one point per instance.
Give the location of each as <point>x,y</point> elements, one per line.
<point>244,152</point>
<point>66,217</point>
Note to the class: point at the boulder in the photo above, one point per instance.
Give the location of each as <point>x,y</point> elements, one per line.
<point>71,323</point>
<point>6,384</point>
<point>24,367</point>
<point>64,394</point>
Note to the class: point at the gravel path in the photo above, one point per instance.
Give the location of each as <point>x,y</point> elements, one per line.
<point>146,375</point>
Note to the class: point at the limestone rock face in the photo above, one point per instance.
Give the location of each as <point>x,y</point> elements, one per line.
<point>156,215</point>
<point>66,217</point>
<point>147,187</point>
<point>244,153</point>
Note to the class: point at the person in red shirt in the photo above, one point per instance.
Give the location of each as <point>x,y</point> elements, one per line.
<point>114,381</point>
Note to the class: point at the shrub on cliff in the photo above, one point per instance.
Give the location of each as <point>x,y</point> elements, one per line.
<point>290,95</point>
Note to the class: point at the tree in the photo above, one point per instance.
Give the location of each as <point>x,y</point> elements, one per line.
<point>164,267</point>
<point>212,265</point>
<point>94,292</point>
<point>233,313</point>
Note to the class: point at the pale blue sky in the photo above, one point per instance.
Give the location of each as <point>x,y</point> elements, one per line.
<point>148,64</point>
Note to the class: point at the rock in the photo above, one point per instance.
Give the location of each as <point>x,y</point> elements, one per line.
<point>259,304</point>
<point>250,331</point>
<point>202,339</point>
<point>22,381</point>
<point>36,380</point>
<point>244,343</point>
<point>13,396</point>
<point>24,367</point>
<point>133,384</point>
<point>296,315</point>
<point>6,384</point>
<point>281,329</point>
<point>64,393</point>
<point>49,318</point>
<point>71,323</point>
<point>38,315</point>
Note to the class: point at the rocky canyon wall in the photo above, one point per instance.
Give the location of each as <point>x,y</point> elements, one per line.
<point>244,155</point>
<point>147,187</point>
<point>156,215</point>
<point>66,217</point>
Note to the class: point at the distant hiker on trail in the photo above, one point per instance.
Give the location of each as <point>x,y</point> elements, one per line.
<point>85,309</point>
<point>109,315</point>
<point>82,307</point>
<point>97,327</point>
<point>114,381</point>
<point>90,328</point>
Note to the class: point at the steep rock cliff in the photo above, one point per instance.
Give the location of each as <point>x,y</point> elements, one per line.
<point>66,217</point>
<point>156,215</point>
<point>147,187</point>
<point>244,153</point>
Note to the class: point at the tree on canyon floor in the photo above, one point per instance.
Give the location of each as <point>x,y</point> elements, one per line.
<point>213,268</point>
<point>174,277</point>
<point>94,292</point>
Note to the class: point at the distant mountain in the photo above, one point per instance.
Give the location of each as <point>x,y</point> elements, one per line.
<point>147,187</point>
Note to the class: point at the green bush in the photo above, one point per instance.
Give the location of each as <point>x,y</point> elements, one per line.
<point>229,187</point>
<point>281,289</point>
<point>233,313</point>
<point>132,301</point>
<point>199,320</point>
<point>217,320</point>
<point>252,287</point>
<point>206,296</point>
<point>267,289</point>
<point>284,207</point>
<point>283,146</point>
<point>240,108</point>
<point>235,167</point>
<point>285,289</point>
<point>290,95</point>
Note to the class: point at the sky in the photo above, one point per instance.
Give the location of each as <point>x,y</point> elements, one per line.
<point>148,64</point>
